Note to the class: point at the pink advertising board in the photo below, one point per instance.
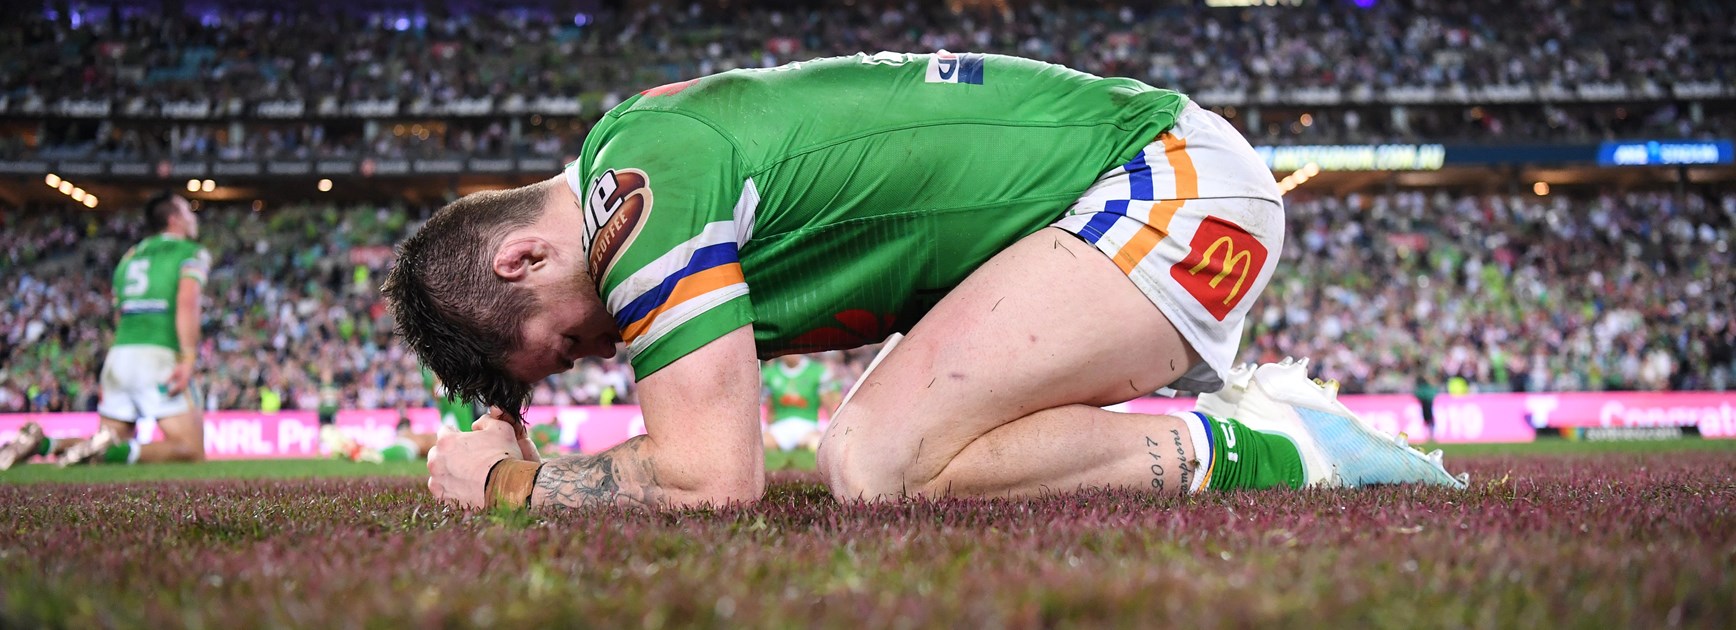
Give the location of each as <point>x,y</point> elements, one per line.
<point>1714,413</point>
<point>1458,419</point>
<point>255,435</point>
<point>228,434</point>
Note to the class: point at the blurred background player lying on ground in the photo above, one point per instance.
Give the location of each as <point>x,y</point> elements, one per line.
<point>150,370</point>
<point>410,445</point>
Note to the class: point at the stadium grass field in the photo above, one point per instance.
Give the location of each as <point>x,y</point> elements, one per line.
<point>1554,534</point>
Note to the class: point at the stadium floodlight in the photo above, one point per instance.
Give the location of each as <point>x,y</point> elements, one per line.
<point>192,185</point>
<point>78,194</point>
<point>90,201</point>
<point>65,187</point>
<point>1541,188</point>
<point>325,185</point>
<point>207,185</point>
<point>52,180</point>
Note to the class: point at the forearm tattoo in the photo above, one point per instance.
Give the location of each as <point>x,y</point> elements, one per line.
<point>619,476</point>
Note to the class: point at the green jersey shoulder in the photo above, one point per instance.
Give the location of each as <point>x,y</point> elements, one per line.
<point>828,203</point>
<point>147,284</point>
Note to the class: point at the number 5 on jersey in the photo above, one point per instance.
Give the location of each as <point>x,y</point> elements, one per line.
<point>138,278</point>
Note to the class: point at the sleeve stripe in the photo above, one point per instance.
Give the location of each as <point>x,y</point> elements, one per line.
<point>679,316</point>
<point>689,293</point>
<point>704,260</point>
<point>197,266</point>
<point>655,276</point>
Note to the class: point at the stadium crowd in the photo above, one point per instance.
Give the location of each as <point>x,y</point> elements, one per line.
<point>1385,291</point>
<point>312,51</point>
<point>298,140</point>
<point>1510,293</point>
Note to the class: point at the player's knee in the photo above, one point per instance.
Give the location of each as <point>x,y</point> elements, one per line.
<point>863,469</point>
<point>186,447</point>
<point>847,483</point>
<point>189,450</point>
<point>832,462</point>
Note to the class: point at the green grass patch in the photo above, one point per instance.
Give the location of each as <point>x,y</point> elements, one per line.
<point>1610,539</point>
<point>273,469</point>
<point>228,469</point>
<point>775,460</point>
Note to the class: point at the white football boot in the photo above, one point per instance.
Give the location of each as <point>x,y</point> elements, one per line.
<point>1222,403</point>
<point>90,450</point>
<point>22,447</point>
<point>1231,402</point>
<point>1338,449</point>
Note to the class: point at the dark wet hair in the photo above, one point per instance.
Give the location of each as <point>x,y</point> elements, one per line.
<point>461,319</point>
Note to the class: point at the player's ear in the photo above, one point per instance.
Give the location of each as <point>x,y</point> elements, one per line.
<point>516,258</point>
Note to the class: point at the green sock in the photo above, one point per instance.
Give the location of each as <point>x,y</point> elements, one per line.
<point>1245,459</point>
<point>44,446</point>
<point>398,453</point>
<point>120,453</point>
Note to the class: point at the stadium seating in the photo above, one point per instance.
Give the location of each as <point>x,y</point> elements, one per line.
<point>1389,291</point>
<point>1390,71</point>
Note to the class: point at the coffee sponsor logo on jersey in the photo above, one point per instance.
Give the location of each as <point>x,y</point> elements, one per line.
<point>615,210</point>
<point>1223,262</point>
<point>945,67</point>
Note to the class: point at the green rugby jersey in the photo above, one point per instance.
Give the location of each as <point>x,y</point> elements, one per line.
<point>146,285</point>
<point>795,392</point>
<point>832,202</point>
<point>330,399</point>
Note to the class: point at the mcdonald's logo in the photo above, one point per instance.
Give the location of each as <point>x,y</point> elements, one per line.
<point>1222,264</point>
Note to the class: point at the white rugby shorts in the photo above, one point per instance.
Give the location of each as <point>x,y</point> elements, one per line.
<point>1197,222</point>
<point>135,384</point>
<point>789,433</point>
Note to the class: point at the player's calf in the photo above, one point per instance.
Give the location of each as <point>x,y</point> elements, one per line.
<point>1169,454</point>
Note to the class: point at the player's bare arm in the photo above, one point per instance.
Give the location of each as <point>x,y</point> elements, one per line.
<point>701,446</point>
<point>702,442</point>
<point>187,328</point>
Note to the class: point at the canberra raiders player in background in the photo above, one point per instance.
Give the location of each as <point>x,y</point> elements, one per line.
<point>149,371</point>
<point>796,390</point>
<point>1048,241</point>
